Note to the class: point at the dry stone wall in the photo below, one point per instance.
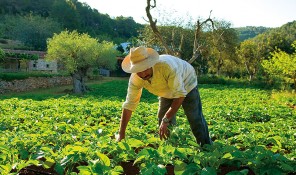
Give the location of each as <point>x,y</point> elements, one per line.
<point>33,83</point>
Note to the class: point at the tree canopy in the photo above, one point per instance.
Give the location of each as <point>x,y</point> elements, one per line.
<point>79,52</point>
<point>223,51</point>
<point>282,65</point>
<point>67,15</point>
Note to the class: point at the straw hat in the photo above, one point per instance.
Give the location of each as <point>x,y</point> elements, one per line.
<point>139,59</point>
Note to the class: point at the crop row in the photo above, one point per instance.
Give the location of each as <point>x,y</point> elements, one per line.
<point>252,133</point>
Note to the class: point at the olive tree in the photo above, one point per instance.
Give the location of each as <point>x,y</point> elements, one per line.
<point>79,52</point>
<point>170,46</point>
<point>250,56</point>
<point>2,54</point>
<point>31,30</point>
<point>282,65</point>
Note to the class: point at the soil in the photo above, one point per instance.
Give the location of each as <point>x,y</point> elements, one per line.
<point>226,169</point>
<point>37,170</point>
<point>129,168</point>
<point>170,169</point>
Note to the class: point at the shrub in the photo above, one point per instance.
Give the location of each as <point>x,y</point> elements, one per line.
<point>25,75</point>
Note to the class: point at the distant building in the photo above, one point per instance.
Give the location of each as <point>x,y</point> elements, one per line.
<point>14,64</point>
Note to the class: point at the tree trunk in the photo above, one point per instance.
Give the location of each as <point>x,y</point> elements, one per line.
<point>249,71</point>
<point>294,78</point>
<point>154,27</point>
<point>79,80</point>
<point>219,64</point>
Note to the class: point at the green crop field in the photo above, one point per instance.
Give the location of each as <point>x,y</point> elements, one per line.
<point>253,130</point>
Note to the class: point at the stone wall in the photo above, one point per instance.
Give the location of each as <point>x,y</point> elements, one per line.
<point>33,83</point>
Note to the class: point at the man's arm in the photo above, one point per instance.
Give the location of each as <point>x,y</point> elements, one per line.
<point>163,130</point>
<point>125,117</point>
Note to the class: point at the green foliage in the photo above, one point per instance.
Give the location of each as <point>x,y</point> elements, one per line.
<point>22,56</point>
<point>80,51</point>
<point>70,15</point>
<point>32,22</point>
<point>221,51</point>
<point>25,75</point>
<point>282,65</point>
<point>72,132</point>
<point>249,32</point>
<point>277,38</point>
<point>31,30</point>
<point>2,55</point>
<point>249,55</point>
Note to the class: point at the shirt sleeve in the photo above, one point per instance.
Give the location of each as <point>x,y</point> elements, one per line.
<point>134,93</point>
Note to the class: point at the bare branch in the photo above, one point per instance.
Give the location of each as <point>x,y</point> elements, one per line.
<point>198,29</point>
<point>154,28</point>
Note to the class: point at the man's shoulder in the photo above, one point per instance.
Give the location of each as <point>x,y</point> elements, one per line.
<point>166,57</point>
<point>170,60</point>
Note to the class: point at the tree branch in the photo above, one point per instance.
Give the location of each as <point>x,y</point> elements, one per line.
<point>196,46</point>
<point>154,28</point>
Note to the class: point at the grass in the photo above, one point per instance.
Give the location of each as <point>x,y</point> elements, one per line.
<point>284,97</point>
<point>12,44</point>
<point>54,92</point>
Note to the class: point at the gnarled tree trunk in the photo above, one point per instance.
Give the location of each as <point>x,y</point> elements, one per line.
<point>197,48</point>
<point>79,81</point>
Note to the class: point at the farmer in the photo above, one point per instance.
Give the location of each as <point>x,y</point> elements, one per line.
<point>170,78</point>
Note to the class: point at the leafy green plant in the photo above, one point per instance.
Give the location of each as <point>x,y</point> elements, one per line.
<point>62,134</point>
<point>101,166</point>
<point>24,56</point>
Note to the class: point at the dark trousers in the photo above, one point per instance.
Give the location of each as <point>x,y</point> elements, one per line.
<point>193,110</point>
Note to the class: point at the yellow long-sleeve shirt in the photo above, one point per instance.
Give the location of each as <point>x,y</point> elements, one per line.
<point>172,78</point>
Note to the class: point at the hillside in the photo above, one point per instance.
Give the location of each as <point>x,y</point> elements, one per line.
<point>248,32</point>
<point>33,21</point>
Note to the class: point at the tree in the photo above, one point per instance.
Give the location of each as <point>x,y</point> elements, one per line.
<point>31,30</point>
<point>282,65</point>
<point>198,29</point>
<point>66,13</point>
<point>250,56</point>
<point>78,53</point>
<point>2,55</point>
<point>170,47</point>
<point>222,41</point>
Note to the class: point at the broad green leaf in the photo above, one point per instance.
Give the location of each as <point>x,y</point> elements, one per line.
<point>242,172</point>
<point>49,162</point>
<point>84,170</point>
<point>153,140</point>
<point>4,148</point>
<point>5,169</point>
<point>139,159</point>
<point>227,156</point>
<point>124,145</point>
<point>66,159</point>
<point>192,169</point>
<point>79,149</point>
<point>104,159</point>
<point>135,143</point>
<point>179,154</point>
<point>117,170</point>
<point>287,167</point>
<point>59,169</point>
<point>179,167</point>
<point>208,171</point>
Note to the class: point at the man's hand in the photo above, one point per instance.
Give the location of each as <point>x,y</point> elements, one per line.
<point>163,130</point>
<point>125,117</point>
<point>119,137</point>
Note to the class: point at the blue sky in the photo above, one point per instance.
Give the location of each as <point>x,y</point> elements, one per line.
<point>241,13</point>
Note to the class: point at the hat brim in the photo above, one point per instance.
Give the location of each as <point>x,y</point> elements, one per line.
<point>153,58</point>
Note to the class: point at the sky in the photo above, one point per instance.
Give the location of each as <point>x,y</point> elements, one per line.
<point>240,13</point>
